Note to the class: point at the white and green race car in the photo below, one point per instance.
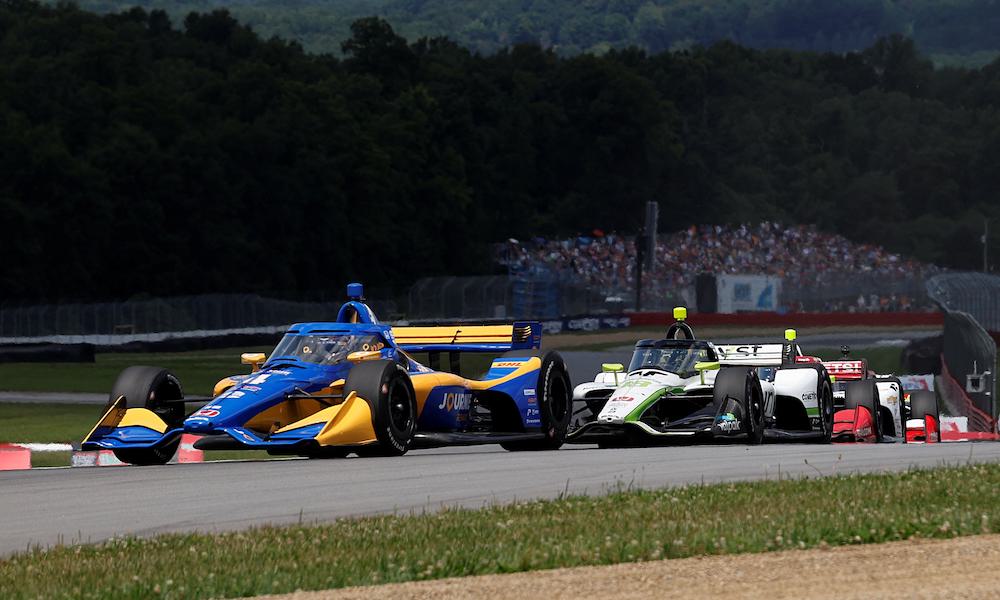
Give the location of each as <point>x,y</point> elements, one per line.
<point>680,387</point>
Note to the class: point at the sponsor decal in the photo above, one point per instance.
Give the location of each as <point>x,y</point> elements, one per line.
<point>529,391</point>
<point>809,397</point>
<point>864,431</point>
<point>727,422</point>
<point>641,383</point>
<point>532,412</point>
<point>249,388</point>
<point>259,379</point>
<point>207,413</point>
<point>508,364</point>
<point>623,399</point>
<point>232,394</point>
<point>455,401</point>
<point>738,350</point>
<point>845,367</point>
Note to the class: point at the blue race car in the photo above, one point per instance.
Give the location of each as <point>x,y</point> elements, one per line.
<point>352,386</point>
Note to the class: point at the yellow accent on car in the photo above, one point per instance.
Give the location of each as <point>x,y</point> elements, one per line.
<point>254,359</point>
<point>350,426</point>
<point>363,355</point>
<point>143,417</point>
<point>790,335</point>
<point>472,334</point>
<point>680,313</point>
<point>284,413</point>
<point>701,367</point>
<point>222,386</point>
<point>111,417</point>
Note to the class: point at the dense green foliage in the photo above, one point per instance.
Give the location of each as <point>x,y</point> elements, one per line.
<point>138,156</point>
<point>726,518</point>
<point>955,31</point>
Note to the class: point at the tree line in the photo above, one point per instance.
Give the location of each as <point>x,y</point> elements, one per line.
<point>952,31</point>
<point>139,156</point>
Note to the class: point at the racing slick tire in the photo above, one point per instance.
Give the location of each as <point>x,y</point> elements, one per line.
<point>555,406</point>
<point>923,403</point>
<point>385,385</point>
<point>157,390</point>
<point>865,393</point>
<point>741,383</point>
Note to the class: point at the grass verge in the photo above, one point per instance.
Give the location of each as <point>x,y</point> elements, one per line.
<point>47,423</point>
<point>620,527</point>
<point>198,370</point>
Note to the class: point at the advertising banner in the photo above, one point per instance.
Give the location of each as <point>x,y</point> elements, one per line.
<point>748,293</point>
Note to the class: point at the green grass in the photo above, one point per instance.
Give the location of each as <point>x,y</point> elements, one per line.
<point>572,531</point>
<point>47,423</point>
<point>198,371</point>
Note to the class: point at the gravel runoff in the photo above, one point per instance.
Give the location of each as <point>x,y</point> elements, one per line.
<point>955,568</point>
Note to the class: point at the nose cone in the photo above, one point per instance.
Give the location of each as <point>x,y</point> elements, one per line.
<point>201,421</point>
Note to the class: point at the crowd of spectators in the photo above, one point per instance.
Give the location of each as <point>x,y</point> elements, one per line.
<point>804,257</point>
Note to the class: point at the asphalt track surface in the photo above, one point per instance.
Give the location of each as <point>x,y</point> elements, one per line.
<point>48,506</point>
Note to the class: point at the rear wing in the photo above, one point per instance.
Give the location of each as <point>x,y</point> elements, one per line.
<point>521,335</point>
<point>847,370</point>
<point>751,355</point>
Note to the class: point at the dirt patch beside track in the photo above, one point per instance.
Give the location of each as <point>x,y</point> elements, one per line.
<point>956,568</point>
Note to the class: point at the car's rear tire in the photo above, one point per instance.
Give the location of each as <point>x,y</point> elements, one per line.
<point>554,395</point>
<point>824,398</point>
<point>159,391</point>
<point>826,410</point>
<point>923,403</point>
<point>742,384</point>
<point>386,386</point>
<point>865,393</point>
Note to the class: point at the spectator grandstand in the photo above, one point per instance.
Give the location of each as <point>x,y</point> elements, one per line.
<point>802,255</point>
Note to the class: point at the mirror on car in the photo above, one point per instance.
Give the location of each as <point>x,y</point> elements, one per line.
<point>254,359</point>
<point>362,355</point>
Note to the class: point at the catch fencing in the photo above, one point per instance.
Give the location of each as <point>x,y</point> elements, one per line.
<point>548,294</point>
<point>213,312</point>
<point>539,295</point>
<point>969,353</point>
<point>853,291</point>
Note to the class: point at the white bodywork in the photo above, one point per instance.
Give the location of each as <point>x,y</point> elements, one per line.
<point>628,391</point>
<point>891,396</point>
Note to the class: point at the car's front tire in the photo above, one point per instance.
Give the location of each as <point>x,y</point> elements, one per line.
<point>741,384</point>
<point>386,386</point>
<point>157,390</point>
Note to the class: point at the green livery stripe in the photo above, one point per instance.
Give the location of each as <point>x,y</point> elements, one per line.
<point>638,410</point>
<point>812,412</point>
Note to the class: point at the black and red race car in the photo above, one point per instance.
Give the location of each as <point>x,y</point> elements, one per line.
<point>874,408</point>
